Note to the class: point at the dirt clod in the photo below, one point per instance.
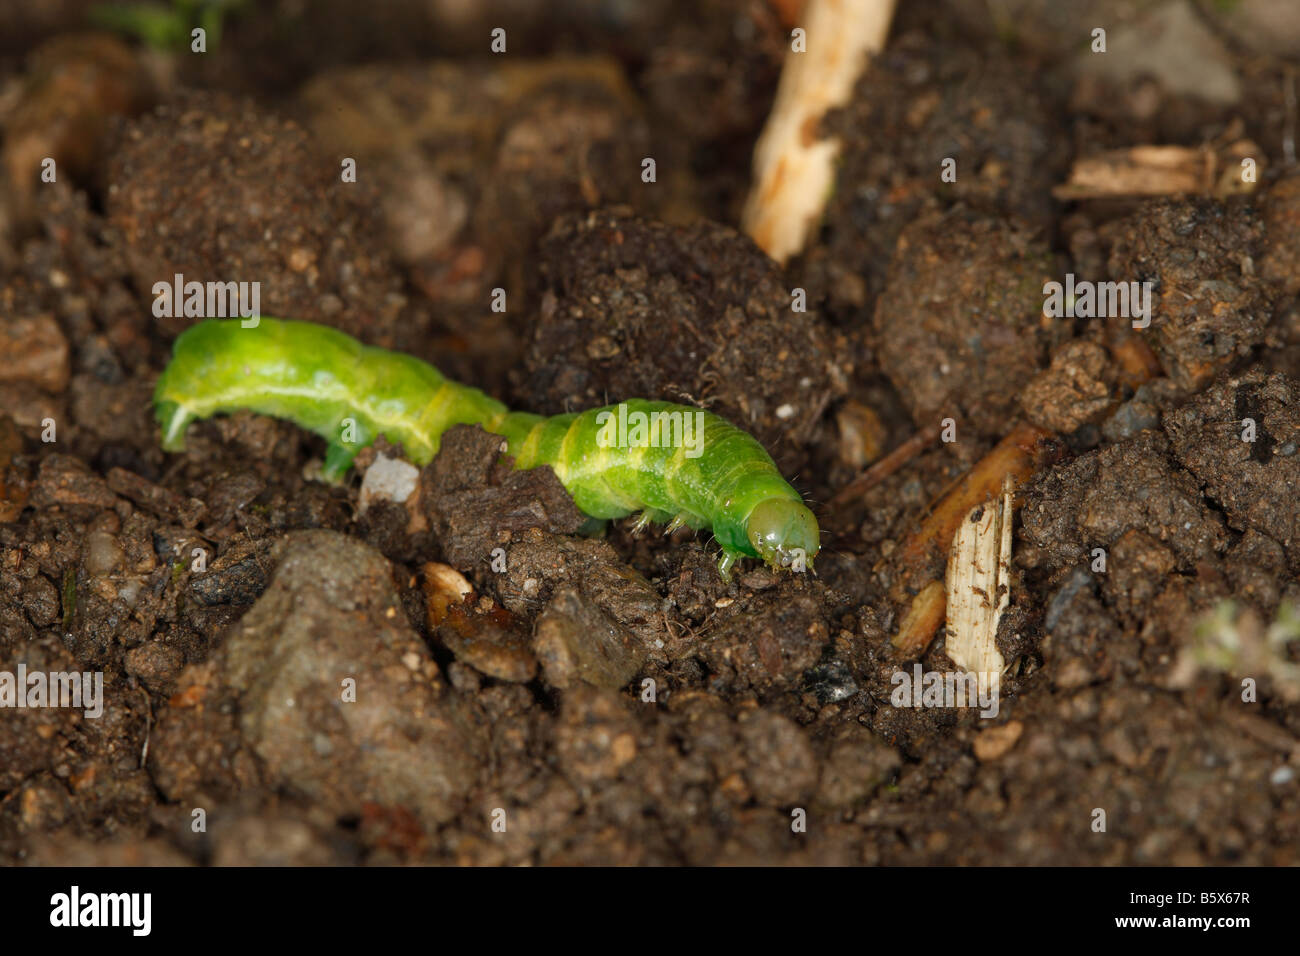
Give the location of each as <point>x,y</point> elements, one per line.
<point>961,321</point>
<point>1240,439</point>
<point>1074,390</point>
<point>280,201</point>
<point>578,641</point>
<point>1209,307</point>
<point>314,665</point>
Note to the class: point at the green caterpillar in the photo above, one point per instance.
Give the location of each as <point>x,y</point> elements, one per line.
<point>711,475</point>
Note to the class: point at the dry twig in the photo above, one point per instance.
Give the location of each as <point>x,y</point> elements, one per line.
<point>794,169</point>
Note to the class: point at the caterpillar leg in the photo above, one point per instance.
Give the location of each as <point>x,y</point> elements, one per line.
<point>338,459</point>
<point>725,563</point>
<point>650,515</point>
<point>677,522</point>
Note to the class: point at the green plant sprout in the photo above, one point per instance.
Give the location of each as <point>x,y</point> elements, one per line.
<point>167,27</point>
<point>1234,640</point>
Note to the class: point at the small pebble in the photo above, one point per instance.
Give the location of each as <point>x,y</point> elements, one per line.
<point>996,741</point>
<point>388,479</point>
<point>103,554</point>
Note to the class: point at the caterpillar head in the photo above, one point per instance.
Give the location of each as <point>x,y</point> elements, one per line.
<point>784,533</point>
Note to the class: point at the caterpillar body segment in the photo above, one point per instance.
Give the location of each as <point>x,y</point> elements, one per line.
<point>713,475</point>
<point>318,378</point>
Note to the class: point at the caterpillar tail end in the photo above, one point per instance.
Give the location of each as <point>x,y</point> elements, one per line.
<point>173,419</point>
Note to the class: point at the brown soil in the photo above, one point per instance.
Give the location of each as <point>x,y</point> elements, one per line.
<point>607,695</point>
